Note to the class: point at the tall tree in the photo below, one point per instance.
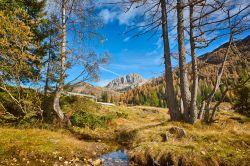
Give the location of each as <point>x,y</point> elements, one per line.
<point>36,21</point>
<point>16,36</point>
<point>52,50</point>
<point>56,103</point>
<point>194,90</point>
<point>76,17</point>
<point>184,83</point>
<point>22,48</point>
<point>175,114</point>
<point>156,17</point>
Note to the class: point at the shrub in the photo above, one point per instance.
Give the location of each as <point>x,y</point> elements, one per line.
<point>242,100</point>
<point>72,104</point>
<point>90,120</point>
<point>28,98</point>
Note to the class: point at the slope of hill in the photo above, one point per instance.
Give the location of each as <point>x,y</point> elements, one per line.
<point>85,88</point>
<point>153,92</point>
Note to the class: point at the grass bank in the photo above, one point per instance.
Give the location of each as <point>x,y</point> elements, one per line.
<point>144,131</point>
<point>43,147</point>
<point>226,142</point>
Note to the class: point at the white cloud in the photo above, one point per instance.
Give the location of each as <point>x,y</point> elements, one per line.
<point>119,13</point>
<point>127,18</point>
<point>107,15</point>
<point>110,71</point>
<point>159,43</point>
<point>126,39</point>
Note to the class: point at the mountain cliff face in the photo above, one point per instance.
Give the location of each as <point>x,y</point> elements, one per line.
<point>126,82</point>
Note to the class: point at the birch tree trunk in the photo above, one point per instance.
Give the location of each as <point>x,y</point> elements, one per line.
<point>184,84</point>
<point>56,104</point>
<point>175,113</point>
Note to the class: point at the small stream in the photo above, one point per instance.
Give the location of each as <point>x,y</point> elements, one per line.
<point>119,158</point>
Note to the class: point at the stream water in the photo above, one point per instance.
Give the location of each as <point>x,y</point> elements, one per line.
<point>119,158</point>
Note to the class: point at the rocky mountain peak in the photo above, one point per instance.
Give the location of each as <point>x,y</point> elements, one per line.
<point>126,82</point>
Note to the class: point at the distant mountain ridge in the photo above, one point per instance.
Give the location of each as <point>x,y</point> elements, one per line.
<point>86,88</point>
<point>126,82</point>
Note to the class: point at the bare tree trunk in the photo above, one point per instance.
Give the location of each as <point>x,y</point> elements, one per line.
<point>217,105</point>
<point>193,107</point>
<point>175,113</point>
<point>17,101</point>
<point>3,107</point>
<point>200,114</point>
<point>46,87</point>
<point>217,84</point>
<point>224,93</point>
<point>184,84</point>
<point>56,104</point>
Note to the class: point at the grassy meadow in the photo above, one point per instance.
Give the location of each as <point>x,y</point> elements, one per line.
<point>142,130</point>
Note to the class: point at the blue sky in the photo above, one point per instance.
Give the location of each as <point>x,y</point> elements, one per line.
<point>142,55</point>
<point>130,54</point>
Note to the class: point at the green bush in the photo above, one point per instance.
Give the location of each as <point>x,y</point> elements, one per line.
<point>72,104</point>
<point>86,113</point>
<point>30,101</point>
<point>242,100</point>
<point>29,120</point>
<point>86,119</point>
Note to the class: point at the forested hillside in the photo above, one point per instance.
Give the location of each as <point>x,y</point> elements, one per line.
<point>237,66</point>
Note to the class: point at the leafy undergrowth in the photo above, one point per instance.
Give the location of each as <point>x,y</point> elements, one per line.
<point>43,147</point>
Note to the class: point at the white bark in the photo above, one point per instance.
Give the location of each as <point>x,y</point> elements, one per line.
<point>56,104</point>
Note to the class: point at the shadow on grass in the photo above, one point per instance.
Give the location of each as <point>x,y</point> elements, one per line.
<point>126,137</point>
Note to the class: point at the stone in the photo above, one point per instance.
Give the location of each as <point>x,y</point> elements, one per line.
<point>56,164</point>
<point>79,164</point>
<point>66,162</point>
<point>165,136</point>
<point>97,162</point>
<point>179,132</point>
<point>90,160</point>
<point>60,158</point>
<point>42,161</point>
<point>203,152</point>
